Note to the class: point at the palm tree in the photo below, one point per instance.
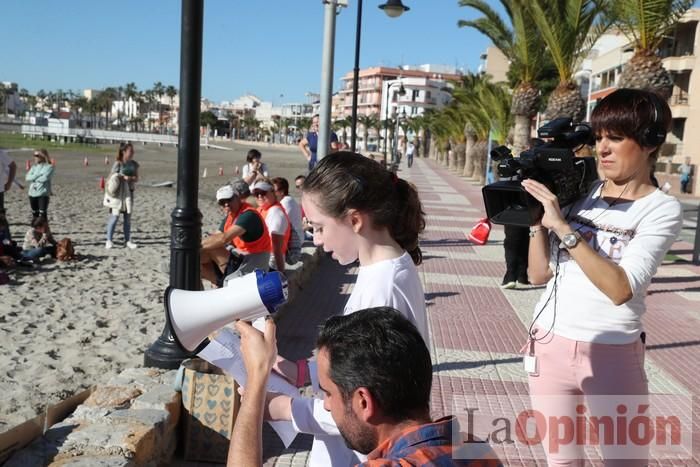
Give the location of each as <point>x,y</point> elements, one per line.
<point>131,93</point>
<point>521,44</point>
<point>644,23</point>
<point>158,91</point>
<point>342,125</point>
<point>569,28</point>
<point>367,122</point>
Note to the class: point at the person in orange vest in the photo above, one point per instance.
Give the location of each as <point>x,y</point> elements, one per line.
<point>277,221</point>
<point>242,243</point>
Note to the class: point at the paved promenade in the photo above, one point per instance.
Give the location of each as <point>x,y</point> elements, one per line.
<point>477,329</point>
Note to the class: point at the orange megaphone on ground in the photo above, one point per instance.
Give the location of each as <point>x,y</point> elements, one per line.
<point>479,235</point>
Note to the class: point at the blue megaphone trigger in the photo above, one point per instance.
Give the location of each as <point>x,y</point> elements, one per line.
<point>272,287</point>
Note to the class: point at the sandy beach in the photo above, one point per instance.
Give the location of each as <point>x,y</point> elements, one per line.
<point>67,326</point>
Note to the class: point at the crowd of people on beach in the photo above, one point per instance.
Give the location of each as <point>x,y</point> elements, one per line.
<point>371,380</point>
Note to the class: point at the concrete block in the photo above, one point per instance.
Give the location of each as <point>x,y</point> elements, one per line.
<point>161,397</point>
<point>112,396</point>
<point>143,378</point>
<point>95,461</point>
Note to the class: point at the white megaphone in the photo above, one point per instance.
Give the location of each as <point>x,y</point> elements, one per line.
<point>196,314</point>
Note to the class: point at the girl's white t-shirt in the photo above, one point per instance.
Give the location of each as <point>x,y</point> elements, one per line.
<point>394,283</point>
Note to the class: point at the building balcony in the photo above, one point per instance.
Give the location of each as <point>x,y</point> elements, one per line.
<point>684,63</point>
<point>679,105</point>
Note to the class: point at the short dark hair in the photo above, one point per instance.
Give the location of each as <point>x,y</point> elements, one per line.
<point>253,154</point>
<point>629,112</point>
<point>381,350</point>
<point>282,184</point>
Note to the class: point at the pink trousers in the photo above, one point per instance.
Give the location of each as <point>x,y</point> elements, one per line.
<point>577,369</point>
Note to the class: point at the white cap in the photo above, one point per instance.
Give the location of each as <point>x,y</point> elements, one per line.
<point>225,192</point>
<point>261,185</point>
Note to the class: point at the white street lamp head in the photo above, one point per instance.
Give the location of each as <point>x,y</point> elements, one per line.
<point>394,8</point>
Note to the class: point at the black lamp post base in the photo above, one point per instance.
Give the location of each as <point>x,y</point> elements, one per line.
<point>165,353</point>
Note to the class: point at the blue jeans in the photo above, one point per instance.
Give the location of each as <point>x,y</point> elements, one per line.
<point>112,224</point>
<point>36,253</point>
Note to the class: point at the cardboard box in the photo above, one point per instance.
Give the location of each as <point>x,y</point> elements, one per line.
<point>24,433</point>
<point>211,402</point>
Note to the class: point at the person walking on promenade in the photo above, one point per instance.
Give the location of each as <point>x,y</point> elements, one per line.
<point>410,151</point>
<point>39,176</point>
<point>242,243</point>
<point>597,258</point>
<point>254,169</point>
<point>686,172</point>
<point>119,194</point>
<point>309,144</point>
<point>8,170</point>
<point>359,212</point>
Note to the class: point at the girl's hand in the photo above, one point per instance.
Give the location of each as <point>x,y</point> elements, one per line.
<point>552,218</point>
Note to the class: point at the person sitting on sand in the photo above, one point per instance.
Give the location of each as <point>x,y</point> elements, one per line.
<point>38,242</point>
<point>242,243</point>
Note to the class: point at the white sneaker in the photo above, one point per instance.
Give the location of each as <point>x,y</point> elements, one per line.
<point>131,245</point>
<point>109,245</point>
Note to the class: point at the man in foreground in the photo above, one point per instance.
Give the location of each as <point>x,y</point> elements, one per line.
<point>375,373</point>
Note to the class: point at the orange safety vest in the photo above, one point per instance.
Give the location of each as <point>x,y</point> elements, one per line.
<point>261,245</point>
<point>288,232</point>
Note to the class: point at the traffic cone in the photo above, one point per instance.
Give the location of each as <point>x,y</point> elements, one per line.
<point>221,171</point>
<point>204,174</point>
<point>102,183</point>
<point>106,160</point>
<point>479,235</point>
<point>28,165</point>
<point>238,170</point>
<point>85,162</point>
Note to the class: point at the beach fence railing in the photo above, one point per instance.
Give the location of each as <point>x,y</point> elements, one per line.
<point>89,134</point>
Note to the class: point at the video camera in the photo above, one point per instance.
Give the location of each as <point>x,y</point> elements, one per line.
<point>551,163</point>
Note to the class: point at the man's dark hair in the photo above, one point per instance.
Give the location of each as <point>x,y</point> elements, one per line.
<point>379,349</point>
<point>282,184</point>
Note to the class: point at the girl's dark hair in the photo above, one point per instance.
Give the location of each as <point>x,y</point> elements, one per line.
<point>634,113</point>
<point>345,180</point>
<point>253,154</point>
<point>122,149</point>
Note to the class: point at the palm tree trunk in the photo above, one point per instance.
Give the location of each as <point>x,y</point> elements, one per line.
<point>521,134</point>
<point>470,158</point>
<point>460,157</point>
<point>480,148</point>
<point>468,168</point>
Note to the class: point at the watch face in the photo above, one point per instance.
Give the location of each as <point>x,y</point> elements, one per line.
<point>569,240</point>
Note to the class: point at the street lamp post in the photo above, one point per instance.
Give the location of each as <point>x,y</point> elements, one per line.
<point>401,92</point>
<point>186,227</point>
<point>393,9</point>
<point>395,151</point>
<point>589,73</point>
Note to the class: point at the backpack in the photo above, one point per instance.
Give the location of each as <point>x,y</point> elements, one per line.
<point>64,250</point>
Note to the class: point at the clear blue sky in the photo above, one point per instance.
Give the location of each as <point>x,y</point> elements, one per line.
<point>266,47</point>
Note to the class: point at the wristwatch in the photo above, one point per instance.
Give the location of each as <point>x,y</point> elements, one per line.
<point>570,240</point>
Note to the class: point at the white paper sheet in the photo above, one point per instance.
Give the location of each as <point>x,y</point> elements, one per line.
<point>224,351</point>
